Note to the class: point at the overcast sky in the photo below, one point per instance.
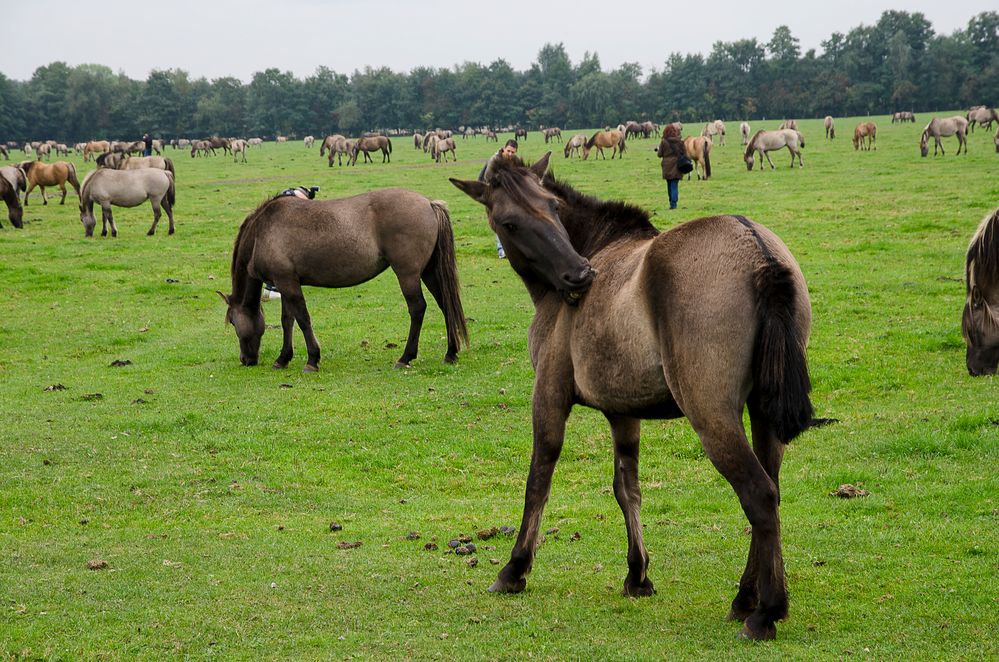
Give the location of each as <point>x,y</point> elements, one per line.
<point>215,38</point>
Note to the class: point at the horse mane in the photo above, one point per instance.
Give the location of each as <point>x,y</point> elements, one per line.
<point>593,139</point>
<point>982,263</point>
<point>592,223</point>
<point>752,144</point>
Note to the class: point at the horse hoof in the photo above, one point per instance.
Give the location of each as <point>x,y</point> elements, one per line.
<point>643,590</point>
<point>501,586</point>
<point>310,368</point>
<point>400,365</point>
<point>451,359</point>
<point>171,231</point>
<point>280,366</point>
<point>149,234</point>
<point>766,634</point>
<point>740,615</point>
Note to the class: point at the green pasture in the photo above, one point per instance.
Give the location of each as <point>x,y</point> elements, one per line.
<point>209,489</point>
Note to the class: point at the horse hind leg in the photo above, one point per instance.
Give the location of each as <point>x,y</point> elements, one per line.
<point>168,208</point>
<point>156,217</point>
<point>62,187</point>
<point>437,291</point>
<point>288,331</point>
<point>417,305</point>
<point>626,433</point>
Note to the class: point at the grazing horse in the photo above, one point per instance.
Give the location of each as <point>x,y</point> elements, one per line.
<point>201,148</point>
<point>370,144</point>
<point>698,149</point>
<point>701,321</point>
<point>125,188</point>
<point>980,320</point>
<point>868,131</point>
<point>712,129</point>
<point>4,152</point>
<point>117,161</point>
<point>442,147</point>
<point>41,175</point>
<point>292,242</point>
<point>417,140</point>
<point>43,151</point>
<point>309,141</point>
<point>830,126</point>
<point>520,133</point>
<point>12,182</point>
<point>767,141</point>
<point>745,131</point>
<point>982,115</point>
<point>613,138</point>
<point>788,124</point>
<point>552,133</point>
<point>937,128</point>
<point>338,146</point>
<point>490,135</point>
<point>575,144</point>
<point>238,146</point>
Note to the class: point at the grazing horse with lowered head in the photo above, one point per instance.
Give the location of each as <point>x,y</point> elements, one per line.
<point>125,188</point>
<point>117,161</point>
<point>370,144</point>
<point>41,175</point>
<point>767,141</point>
<point>338,146</point>
<point>293,242</point>
<point>865,136</point>
<point>442,147</point>
<point>937,128</point>
<point>552,133</point>
<point>574,144</point>
<point>745,131</point>
<point>490,135</point>
<point>417,140</point>
<point>519,133</point>
<point>613,138</point>
<point>12,182</point>
<point>639,324</point>
<point>788,124</point>
<point>982,115</point>
<point>698,149</point>
<point>830,127</point>
<point>980,320</point>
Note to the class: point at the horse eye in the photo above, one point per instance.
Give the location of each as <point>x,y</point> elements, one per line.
<point>510,227</point>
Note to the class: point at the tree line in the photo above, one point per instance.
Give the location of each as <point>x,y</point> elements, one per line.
<point>899,63</point>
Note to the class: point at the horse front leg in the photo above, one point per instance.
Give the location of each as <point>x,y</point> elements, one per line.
<point>549,413</point>
<point>627,434</point>
<point>417,306</point>
<point>772,166</point>
<point>291,296</point>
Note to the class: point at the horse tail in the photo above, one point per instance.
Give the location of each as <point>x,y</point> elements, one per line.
<point>445,270</point>
<point>620,145</point>
<point>389,141</point>
<point>707,159</point>
<point>801,138</point>
<point>169,167</point>
<point>780,370</point>
<point>71,176</point>
<point>171,194</point>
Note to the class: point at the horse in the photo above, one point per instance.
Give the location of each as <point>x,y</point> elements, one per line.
<point>442,147</point>
<point>309,141</point>
<point>788,124</point>
<point>490,135</point>
<point>220,143</point>
<point>698,149</point>
<point>830,126</point>
<point>719,127</point>
<point>61,149</point>
<point>980,319</point>
<point>335,144</point>
<point>650,128</point>
<point>417,140</point>
<point>292,242</point>
<point>126,188</point>
<point>552,133</point>
<point>255,142</point>
<point>238,146</point>
<point>117,161</point>
<point>982,115</point>
<point>700,321</point>
<point>201,148</point>
<point>613,138</point>
<point>41,175</point>
<point>42,151</point>
<point>4,152</point>
<point>951,126</point>
<point>371,144</point>
<point>520,133</point>
<point>574,144</point>
<point>767,141</point>
<point>95,147</point>
<point>868,130</point>
<point>12,182</point>
<point>633,129</point>
<point>134,147</point>
<point>744,130</point>
<point>995,139</point>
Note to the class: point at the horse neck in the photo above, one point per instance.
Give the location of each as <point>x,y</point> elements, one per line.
<point>243,289</point>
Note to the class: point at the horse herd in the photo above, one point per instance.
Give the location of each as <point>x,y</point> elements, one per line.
<point>631,321</point>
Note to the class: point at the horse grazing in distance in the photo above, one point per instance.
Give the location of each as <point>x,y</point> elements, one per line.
<point>43,151</point>
<point>767,141</point>
<point>712,129</point>
<point>371,144</point>
<point>201,148</point>
<point>41,175</point>
<point>983,116</point>
<point>126,188</point>
<point>238,146</point>
<point>417,141</point>
<point>830,127</point>
<point>490,135</point>
<point>520,132</point>
<point>980,320</point>
<point>309,141</point>
<point>117,161</point>
<point>574,144</point>
<point>698,149</point>
<point>552,133</point>
<point>293,242</point>
<point>4,152</point>
<point>613,138</point>
<point>336,144</point>
<point>937,128</point>
<point>868,131</point>
<point>703,321</point>
<point>442,147</point>
<point>220,143</point>
<point>788,124</point>
<point>12,182</point>
<point>744,130</point>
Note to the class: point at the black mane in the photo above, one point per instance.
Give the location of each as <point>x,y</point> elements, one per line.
<point>592,223</point>
<point>983,252</point>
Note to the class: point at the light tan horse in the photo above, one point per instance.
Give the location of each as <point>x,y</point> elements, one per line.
<point>698,149</point>
<point>43,151</point>
<point>574,144</point>
<point>552,133</point>
<point>745,131</point>
<point>118,161</point>
<point>613,139</point>
<point>788,124</point>
<point>41,175</point>
<point>830,126</point>
<point>442,147</point>
<point>372,144</point>
<point>336,145</point>
<point>982,115</point>
<point>309,141</point>
<point>937,128</point>
<point>712,129</point>
<point>125,188</point>
<point>238,147</point>
<point>868,131</point>
<point>995,138</point>
<point>767,141</point>
<point>417,140</point>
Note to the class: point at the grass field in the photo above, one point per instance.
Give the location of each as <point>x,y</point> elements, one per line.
<point>209,489</point>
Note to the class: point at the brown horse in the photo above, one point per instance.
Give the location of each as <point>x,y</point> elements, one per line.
<point>865,136</point>
<point>613,138</point>
<point>372,144</point>
<point>700,321</point>
<point>490,135</point>
<point>980,320</point>
<point>951,126</point>
<point>698,149</point>
<point>337,146</point>
<point>520,132</point>
<point>552,134</point>
<point>49,174</point>
<point>12,182</point>
<point>292,242</point>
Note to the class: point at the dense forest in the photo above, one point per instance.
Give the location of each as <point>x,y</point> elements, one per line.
<point>897,64</point>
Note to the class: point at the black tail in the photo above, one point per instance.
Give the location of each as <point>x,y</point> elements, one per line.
<point>707,159</point>
<point>780,371</point>
<point>445,267</point>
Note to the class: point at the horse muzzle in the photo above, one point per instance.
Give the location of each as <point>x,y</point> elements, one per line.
<point>577,284</point>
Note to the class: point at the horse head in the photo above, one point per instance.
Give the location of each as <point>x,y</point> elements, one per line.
<point>980,319</point>
<point>249,328</point>
<point>525,217</point>
<point>924,147</point>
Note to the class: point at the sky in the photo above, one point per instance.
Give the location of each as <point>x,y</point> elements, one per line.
<point>216,38</point>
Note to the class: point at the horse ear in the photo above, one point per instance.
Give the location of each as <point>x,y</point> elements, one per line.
<point>225,297</point>
<point>541,167</point>
<point>478,191</point>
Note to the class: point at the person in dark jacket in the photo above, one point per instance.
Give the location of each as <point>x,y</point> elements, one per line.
<point>670,150</point>
<point>148,145</point>
<point>509,153</point>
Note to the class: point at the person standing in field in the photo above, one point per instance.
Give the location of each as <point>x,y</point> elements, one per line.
<point>670,150</point>
<point>508,152</point>
<point>148,140</point>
